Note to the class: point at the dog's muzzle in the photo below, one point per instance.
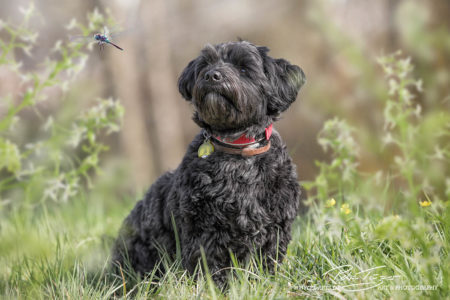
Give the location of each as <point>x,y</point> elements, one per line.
<point>213,77</point>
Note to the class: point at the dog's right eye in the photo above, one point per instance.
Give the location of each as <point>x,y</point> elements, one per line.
<point>243,70</point>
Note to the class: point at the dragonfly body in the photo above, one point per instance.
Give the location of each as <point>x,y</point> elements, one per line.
<point>103,39</point>
<point>100,38</point>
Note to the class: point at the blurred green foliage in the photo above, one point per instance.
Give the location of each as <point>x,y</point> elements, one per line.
<point>417,145</point>
<point>401,212</point>
<point>53,166</point>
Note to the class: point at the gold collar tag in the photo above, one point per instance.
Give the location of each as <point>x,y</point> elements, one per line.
<point>205,149</point>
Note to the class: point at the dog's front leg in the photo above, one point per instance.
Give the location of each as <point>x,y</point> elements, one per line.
<point>274,250</point>
<point>212,246</point>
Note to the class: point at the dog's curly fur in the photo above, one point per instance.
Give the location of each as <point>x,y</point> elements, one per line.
<point>224,202</point>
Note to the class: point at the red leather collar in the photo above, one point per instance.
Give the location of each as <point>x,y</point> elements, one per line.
<point>243,140</point>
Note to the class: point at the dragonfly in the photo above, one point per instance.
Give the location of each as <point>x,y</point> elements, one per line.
<point>102,39</point>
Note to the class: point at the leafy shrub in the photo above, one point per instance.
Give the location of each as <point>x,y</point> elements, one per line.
<point>397,216</point>
<point>56,165</point>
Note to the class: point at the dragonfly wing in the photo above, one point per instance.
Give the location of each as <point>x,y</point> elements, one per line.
<point>80,38</point>
<point>117,33</point>
<point>112,30</point>
<point>105,31</point>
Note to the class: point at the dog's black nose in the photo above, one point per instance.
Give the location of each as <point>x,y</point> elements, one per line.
<point>213,76</point>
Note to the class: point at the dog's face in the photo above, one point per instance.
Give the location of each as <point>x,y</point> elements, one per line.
<point>236,85</point>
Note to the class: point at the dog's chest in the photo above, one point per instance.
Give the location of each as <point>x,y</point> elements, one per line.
<point>234,193</point>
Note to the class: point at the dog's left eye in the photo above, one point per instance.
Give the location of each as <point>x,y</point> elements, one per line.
<point>243,70</point>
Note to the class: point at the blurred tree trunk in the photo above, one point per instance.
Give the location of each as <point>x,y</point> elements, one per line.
<point>164,101</point>
<point>122,80</point>
<point>134,138</point>
<point>391,11</point>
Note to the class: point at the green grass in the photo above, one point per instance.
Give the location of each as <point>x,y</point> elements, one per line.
<point>62,252</point>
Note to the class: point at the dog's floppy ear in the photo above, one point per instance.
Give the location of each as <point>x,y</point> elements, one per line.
<point>286,80</point>
<point>186,80</point>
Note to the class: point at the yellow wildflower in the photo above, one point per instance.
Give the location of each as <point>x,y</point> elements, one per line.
<point>345,208</point>
<point>330,203</point>
<point>425,203</point>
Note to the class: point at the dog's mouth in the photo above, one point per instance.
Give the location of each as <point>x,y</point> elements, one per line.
<point>217,109</point>
<point>214,98</point>
<point>219,105</point>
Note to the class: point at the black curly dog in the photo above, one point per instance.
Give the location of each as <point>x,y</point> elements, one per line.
<point>244,195</point>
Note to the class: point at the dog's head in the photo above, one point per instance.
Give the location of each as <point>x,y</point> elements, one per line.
<point>236,86</point>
